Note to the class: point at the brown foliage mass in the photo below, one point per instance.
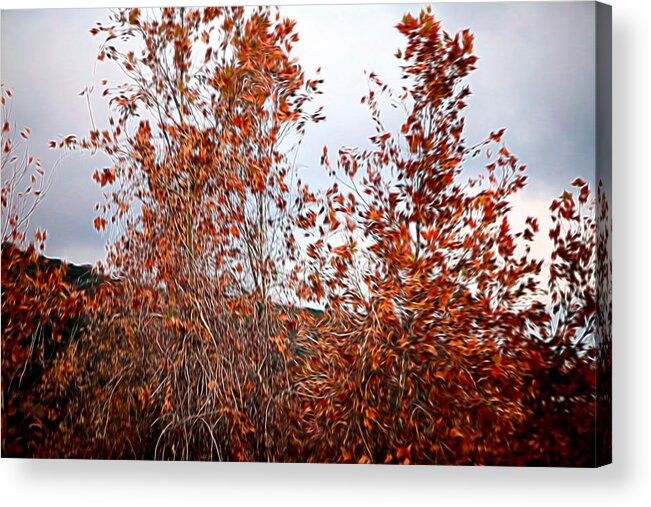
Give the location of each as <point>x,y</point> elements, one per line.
<point>438,341</point>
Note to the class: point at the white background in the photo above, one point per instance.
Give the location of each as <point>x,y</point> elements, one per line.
<point>626,482</point>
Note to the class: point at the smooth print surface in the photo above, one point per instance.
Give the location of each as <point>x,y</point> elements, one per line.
<point>340,234</point>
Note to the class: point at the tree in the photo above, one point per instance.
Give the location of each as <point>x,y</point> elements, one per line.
<point>438,345</point>
<point>38,304</point>
<point>198,204</point>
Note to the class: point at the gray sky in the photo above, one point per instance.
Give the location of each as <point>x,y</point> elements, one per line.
<point>535,77</point>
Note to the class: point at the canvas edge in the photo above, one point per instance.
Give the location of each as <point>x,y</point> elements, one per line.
<point>603,167</point>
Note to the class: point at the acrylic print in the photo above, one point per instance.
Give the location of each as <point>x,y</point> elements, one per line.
<point>374,234</point>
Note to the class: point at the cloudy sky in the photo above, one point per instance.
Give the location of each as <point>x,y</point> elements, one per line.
<point>535,77</point>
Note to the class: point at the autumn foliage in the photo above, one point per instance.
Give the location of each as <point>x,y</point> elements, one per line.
<point>438,346</point>
<point>397,317</point>
<point>40,308</point>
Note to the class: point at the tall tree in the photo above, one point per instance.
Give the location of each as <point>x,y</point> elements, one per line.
<point>198,205</point>
<point>438,344</point>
